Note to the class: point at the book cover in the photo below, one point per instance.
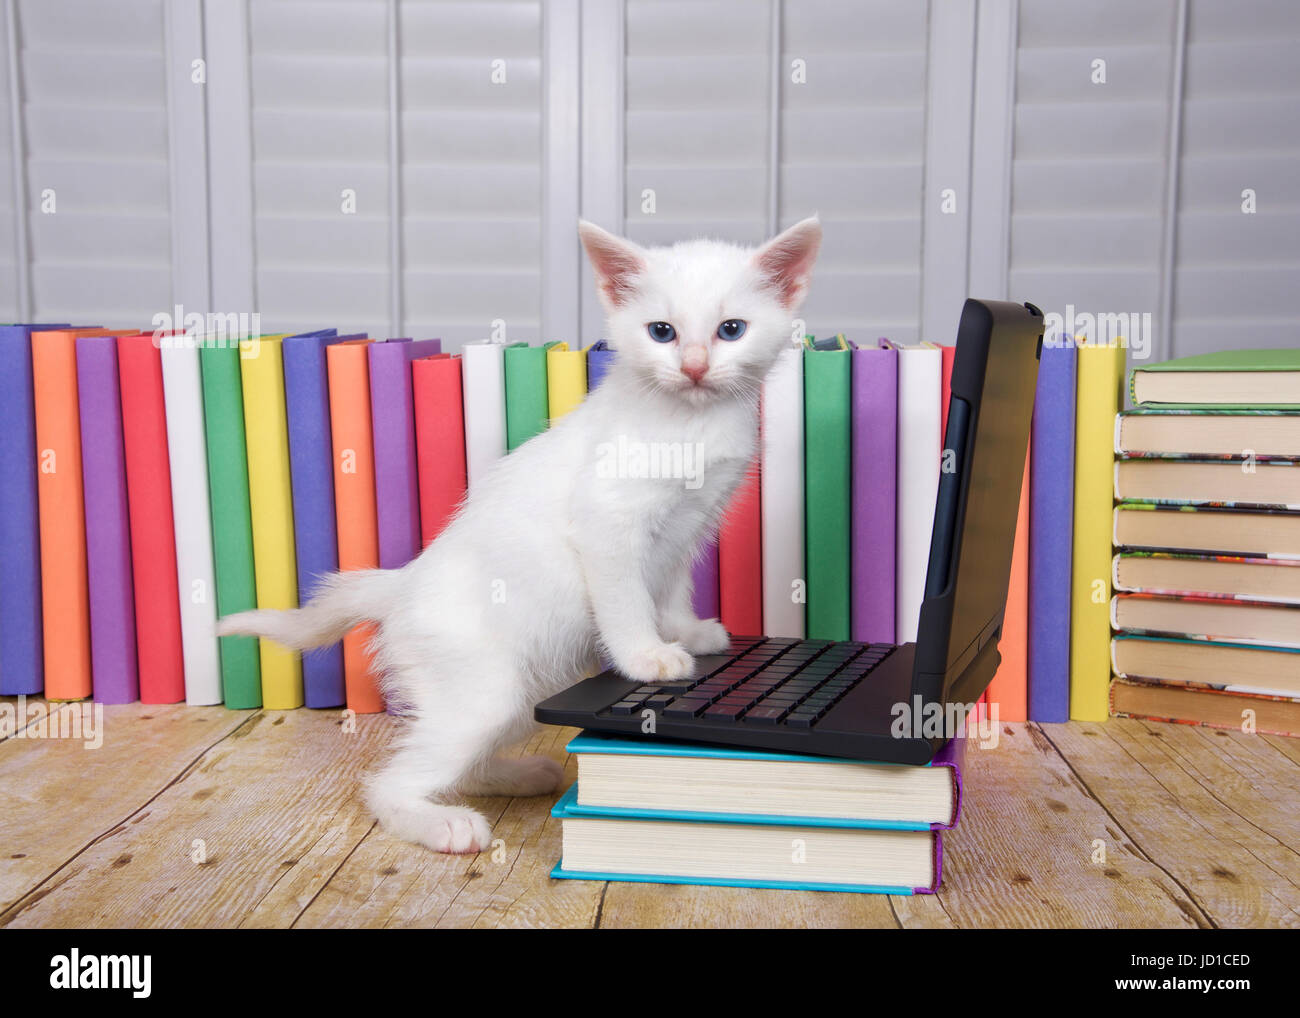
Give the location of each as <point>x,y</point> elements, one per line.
<point>827,472</point>
<point>153,532</point>
<point>875,471</point>
<point>781,496</point>
<point>484,391</point>
<point>1213,708</point>
<point>108,527</point>
<point>1051,529</point>
<point>566,379</point>
<point>1216,383</point>
<point>599,358</point>
<point>232,525</point>
<point>65,595</point>
<point>524,368</point>
<point>392,410</point>
<point>1213,481</point>
<point>270,499</point>
<point>920,384</point>
<point>1207,431</point>
<point>1245,530</point>
<point>1252,577</point>
<point>1216,619</point>
<point>740,564</point>
<point>1204,663</point>
<point>354,503</point>
<point>22,661</point>
<point>191,517</point>
<point>311,471</point>
<point>1009,687</point>
<point>439,441</point>
<point>1100,374</point>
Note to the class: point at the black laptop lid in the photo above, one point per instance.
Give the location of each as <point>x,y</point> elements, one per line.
<point>994,375</point>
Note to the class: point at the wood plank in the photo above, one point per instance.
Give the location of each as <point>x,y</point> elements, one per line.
<point>262,803</point>
<point>390,883</point>
<point>1022,853</point>
<point>1214,807</point>
<point>36,710</point>
<point>60,796</point>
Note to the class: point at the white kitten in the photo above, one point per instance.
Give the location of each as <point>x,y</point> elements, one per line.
<point>566,549</point>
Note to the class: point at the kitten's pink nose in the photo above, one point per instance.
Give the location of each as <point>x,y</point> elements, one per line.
<point>695,364</point>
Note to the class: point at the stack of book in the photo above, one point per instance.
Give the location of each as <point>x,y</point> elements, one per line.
<point>1208,538</point>
<point>658,811</point>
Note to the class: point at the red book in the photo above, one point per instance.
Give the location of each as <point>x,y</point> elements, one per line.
<point>948,353</point>
<point>153,539</point>
<point>740,560</point>
<point>439,441</point>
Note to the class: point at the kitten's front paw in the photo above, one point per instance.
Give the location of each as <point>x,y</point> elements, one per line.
<point>666,662</point>
<point>705,636</point>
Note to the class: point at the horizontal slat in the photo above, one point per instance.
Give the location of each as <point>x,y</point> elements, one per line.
<point>491,245</point>
<point>676,82</point>
<point>491,29</point>
<point>303,135</point>
<point>73,79</point>
<point>1089,239</point>
<point>1242,127</point>
<point>1088,185</point>
<point>323,292</point>
<point>702,190</point>
<point>1119,129</point>
<point>852,190</point>
<point>1259,68</point>
<point>738,138</point>
<point>840,81</point>
<point>1088,288</point>
<point>1241,19</point>
<point>323,82</point>
<point>124,28</point>
<point>431,295</point>
<point>1266,290</point>
<point>1215,181</point>
<point>1064,74</point>
<point>865,26</point>
<point>862,135</point>
<point>316,188</point>
<point>686,27</point>
<point>1118,22</point>
<point>466,83</point>
<point>1216,238</point>
<point>1248,332</point>
<point>342,27</point>
<point>885,295</point>
<point>483,190</point>
<point>356,241</point>
<point>63,131</point>
<point>84,183</point>
<point>458,138</point>
<point>76,235</point>
<point>126,294</point>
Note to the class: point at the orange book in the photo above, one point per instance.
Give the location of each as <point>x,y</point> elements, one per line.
<point>1009,688</point>
<point>65,591</point>
<point>348,368</point>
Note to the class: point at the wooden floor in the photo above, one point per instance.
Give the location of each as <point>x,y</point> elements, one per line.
<point>200,816</point>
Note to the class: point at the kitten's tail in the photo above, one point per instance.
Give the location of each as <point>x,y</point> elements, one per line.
<point>341,601</point>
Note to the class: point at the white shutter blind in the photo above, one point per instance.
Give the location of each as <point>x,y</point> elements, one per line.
<point>1235,279</point>
<point>697,120</point>
<point>319,72</point>
<point>471,168</point>
<point>852,148</point>
<point>1089,167</point>
<point>95,128</point>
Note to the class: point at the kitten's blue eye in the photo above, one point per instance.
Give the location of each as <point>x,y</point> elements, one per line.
<point>661,332</point>
<point>732,328</point>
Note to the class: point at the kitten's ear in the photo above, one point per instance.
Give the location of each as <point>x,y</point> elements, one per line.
<point>617,263</point>
<point>786,261</point>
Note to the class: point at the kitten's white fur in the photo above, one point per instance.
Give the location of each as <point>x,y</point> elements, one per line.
<point>550,562</point>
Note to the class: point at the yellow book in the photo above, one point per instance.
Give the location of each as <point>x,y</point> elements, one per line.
<point>566,378</point>
<point>270,496</point>
<point>1100,397</point>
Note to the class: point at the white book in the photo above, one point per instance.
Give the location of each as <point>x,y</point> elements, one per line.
<point>920,399</point>
<point>192,520</point>
<point>483,381</point>
<point>781,498</point>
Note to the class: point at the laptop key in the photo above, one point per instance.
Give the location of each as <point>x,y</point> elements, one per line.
<point>724,710</point>
<point>766,715</point>
<point>625,707</point>
<point>681,708</point>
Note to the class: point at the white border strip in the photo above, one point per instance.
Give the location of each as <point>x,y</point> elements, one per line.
<point>561,170</point>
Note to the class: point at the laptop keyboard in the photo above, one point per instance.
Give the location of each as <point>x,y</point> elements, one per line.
<point>765,681</point>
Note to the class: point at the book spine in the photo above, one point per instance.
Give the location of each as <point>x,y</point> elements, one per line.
<point>108,529</point>
<point>827,472</point>
<point>1009,687</point>
<point>781,497</point>
<point>153,533</point>
<point>65,601</point>
<point>1100,373</point>
<point>232,525</point>
<point>919,444</point>
<point>483,381</point>
<point>311,468</point>
<point>740,567</point>
<point>874,444</point>
<point>22,663</point>
<point>599,359</point>
<point>440,441</point>
<point>354,504</point>
<point>392,409</point>
<point>524,368</point>
<point>1051,527</point>
<point>705,597</point>
<point>270,496</point>
<point>566,379</point>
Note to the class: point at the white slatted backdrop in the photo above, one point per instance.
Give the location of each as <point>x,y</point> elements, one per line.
<point>469,133</point>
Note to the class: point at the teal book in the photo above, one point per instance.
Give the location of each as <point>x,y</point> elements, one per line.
<point>828,435</point>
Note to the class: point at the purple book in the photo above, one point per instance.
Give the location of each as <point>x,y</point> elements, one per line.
<point>392,412</point>
<point>599,358</point>
<point>1051,529</point>
<point>704,574</point>
<point>108,532</point>
<point>875,448</point>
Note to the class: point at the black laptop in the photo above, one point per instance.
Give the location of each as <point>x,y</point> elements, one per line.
<point>874,701</point>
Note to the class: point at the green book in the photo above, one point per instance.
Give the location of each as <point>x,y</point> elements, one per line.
<point>527,402</point>
<point>1229,379</point>
<point>827,479</point>
<point>232,525</point>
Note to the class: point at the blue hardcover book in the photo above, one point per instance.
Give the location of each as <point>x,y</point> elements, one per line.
<point>791,855</point>
<point>599,358</point>
<point>311,472</point>
<point>1051,532</point>
<point>22,658</point>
